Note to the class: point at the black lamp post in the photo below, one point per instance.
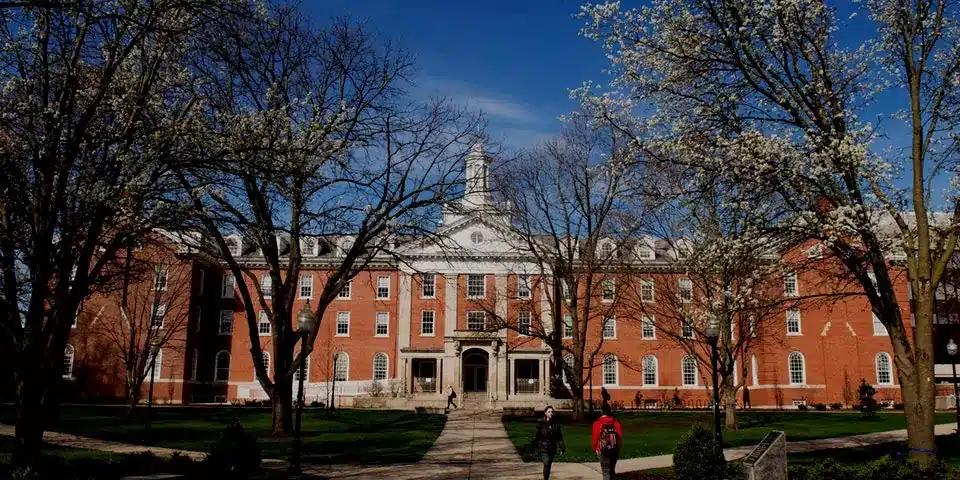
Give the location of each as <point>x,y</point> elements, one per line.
<point>304,326</point>
<point>713,334</point>
<point>952,350</point>
<point>154,351</point>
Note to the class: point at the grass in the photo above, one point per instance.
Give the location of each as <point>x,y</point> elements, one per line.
<point>350,436</point>
<point>657,433</point>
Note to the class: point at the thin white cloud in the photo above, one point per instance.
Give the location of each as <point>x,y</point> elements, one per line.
<point>494,104</point>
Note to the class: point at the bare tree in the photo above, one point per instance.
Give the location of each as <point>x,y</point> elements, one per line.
<point>773,87</point>
<point>93,105</point>
<point>314,150</point>
<point>569,221</point>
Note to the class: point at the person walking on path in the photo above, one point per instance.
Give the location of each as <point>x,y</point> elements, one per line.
<point>607,441</point>
<point>548,440</point>
<point>450,396</point>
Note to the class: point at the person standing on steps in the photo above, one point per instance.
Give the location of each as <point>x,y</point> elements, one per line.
<point>450,396</point>
<point>607,440</point>
<point>548,440</point>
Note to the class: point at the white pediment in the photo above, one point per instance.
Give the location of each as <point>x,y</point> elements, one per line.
<point>470,237</point>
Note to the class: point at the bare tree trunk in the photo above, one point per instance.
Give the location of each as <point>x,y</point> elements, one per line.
<point>730,404</point>
<point>29,426</point>
<point>916,384</point>
<point>282,398</point>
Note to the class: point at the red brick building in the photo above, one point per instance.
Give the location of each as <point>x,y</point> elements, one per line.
<point>419,326</point>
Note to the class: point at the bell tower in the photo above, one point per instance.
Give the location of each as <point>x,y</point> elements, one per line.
<point>477,191</point>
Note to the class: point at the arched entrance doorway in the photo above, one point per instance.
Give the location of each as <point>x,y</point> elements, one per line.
<point>476,363</point>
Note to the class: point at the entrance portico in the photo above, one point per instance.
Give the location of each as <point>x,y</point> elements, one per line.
<point>475,366</point>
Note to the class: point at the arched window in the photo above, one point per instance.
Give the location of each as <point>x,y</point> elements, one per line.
<point>798,371</point>
<point>606,249</point>
<point>650,375</point>
<point>266,362</point>
<point>884,370</point>
<point>568,360</point>
<point>689,368</point>
<point>306,371</point>
<point>341,371</point>
<point>68,361</point>
<point>610,370</point>
<point>222,367</point>
<point>380,366</point>
<point>755,370</point>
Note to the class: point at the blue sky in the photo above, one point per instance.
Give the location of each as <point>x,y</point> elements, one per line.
<point>513,60</point>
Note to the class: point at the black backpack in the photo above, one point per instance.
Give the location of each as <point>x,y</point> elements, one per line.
<point>609,440</point>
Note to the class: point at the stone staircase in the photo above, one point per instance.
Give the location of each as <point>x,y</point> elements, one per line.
<point>474,401</point>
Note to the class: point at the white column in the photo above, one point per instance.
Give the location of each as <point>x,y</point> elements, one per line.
<point>403,313</point>
<point>450,297</point>
<point>542,366</point>
<point>500,307</point>
<point>511,363</point>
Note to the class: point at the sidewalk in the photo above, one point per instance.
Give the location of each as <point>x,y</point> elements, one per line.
<point>76,441</point>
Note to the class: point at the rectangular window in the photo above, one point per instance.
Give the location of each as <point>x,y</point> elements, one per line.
<point>306,286</point>
<point>790,284</point>
<point>523,286</point>
<point>646,290</point>
<point>879,329</point>
<point>226,289</point>
<point>565,291</point>
<point>476,286</point>
<point>428,287</point>
<point>383,288</point>
<point>159,311</point>
<point>610,328</point>
<point>233,246</point>
<point>648,329</point>
<point>427,319</point>
<point>793,322</point>
<point>476,321</point>
<point>383,324</point>
<point>263,324</point>
<point>686,290</point>
<point>343,324</point>
<point>266,285</point>
<point>346,290</point>
<point>155,365</point>
<point>686,329</point>
<point>523,323</point>
<point>160,278</point>
<point>226,322</point>
<point>609,289</point>
<point>567,326</point>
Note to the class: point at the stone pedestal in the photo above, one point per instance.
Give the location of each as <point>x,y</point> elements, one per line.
<point>768,461</point>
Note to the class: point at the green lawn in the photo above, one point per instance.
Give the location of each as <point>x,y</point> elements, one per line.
<point>657,433</point>
<point>350,436</point>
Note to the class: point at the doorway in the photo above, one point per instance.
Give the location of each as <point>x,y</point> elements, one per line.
<point>476,363</point>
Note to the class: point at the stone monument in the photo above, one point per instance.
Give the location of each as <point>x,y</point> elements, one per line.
<point>768,461</point>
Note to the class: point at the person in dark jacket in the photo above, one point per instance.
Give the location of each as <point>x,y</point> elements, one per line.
<point>451,394</point>
<point>548,440</point>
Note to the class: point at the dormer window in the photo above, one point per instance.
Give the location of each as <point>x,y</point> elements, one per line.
<point>309,246</point>
<point>645,253</point>
<point>233,246</point>
<point>606,249</point>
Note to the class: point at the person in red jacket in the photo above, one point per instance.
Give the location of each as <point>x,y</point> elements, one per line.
<point>607,440</point>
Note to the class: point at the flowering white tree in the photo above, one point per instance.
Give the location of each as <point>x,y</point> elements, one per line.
<point>93,102</point>
<point>313,149</point>
<point>778,100</point>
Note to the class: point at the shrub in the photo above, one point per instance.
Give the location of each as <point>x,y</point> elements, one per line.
<point>886,468</point>
<point>803,407</point>
<point>316,403</point>
<point>865,401</point>
<point>617,405</point>
<point>898,406</point>
<point>820,407</point>
<point>698,457</point>
<point>836,406</point>
<point>235,454</point>
<point>677,402</point>
<point>375,389</point>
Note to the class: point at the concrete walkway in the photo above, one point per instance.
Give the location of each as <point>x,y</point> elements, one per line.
<point>474,445</point>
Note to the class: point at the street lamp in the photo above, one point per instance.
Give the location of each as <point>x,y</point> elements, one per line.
<point>154,351</point>
<point>304,326</point>
<point>713,334</point>
<point>952,350</point>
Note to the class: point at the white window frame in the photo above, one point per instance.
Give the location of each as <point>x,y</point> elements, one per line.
<point>220,322</point>
<point>306,370</point>
<point>793,312</point>
<point>345,315</point>
<point>304,242</point>
<point>876,364</point>
<point>158,311</point>
<point>67,370</point>
<point>263,319</point>
<point>228,285</point>
<point>524,318</point>
<point>266,362</point>
<point>305,281</point>
<point>383,287</point>
<point>343,362</point>
<point>607,249</point>
<point>154,368</point>
<point>685,285</point>
<point>755,370</point>
<point>790,279</point>
<point>524,292</point>
<point>803,369</point>
<point>648,283</point>
<point>611,322</point>
<point>567,326</point>
<point>645,253</point>
<point>645,322</point>
<point>879,329</point>
<point>161,278</point>
<point>428,280</point>
<point>433,323</point>
<point>684,363</point>
<point>386,366</point>
<point>644,371</point>
<point>381,318</point>
<point>608,289</point>
<point>475,313</point>
<point>266,285</point>
<point>234,246</point>
<point>216,367</point>
<point>687,327</point>
<point>348,289</point>
<point>611,360</point>
<point>482,286</point>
